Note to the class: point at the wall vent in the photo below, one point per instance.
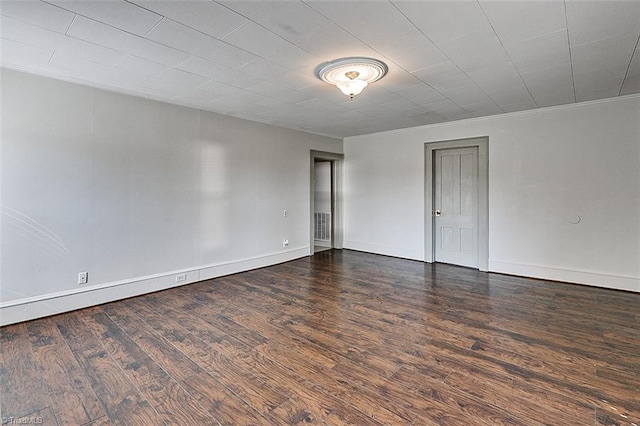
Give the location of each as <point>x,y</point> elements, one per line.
<point>322,226</point>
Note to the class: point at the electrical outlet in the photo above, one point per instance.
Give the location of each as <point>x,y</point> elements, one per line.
<point>285,213</point>
<point>285,243</point>
<point>83,277</point>
<point>181,277</point>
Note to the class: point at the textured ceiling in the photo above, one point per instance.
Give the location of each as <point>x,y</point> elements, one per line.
<point>448,60</point>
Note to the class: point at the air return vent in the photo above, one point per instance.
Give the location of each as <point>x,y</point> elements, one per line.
<point>322,226</point>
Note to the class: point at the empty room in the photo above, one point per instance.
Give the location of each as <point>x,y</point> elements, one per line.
<point>320,212</point>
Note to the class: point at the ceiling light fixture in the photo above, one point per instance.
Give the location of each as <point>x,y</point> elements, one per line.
<point>352,75</point>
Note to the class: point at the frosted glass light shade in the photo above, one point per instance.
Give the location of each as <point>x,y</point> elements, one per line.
<point>352,87</point>
<point>351,75</point>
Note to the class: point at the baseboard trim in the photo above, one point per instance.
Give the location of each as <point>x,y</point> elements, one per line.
<point>592,278</point>
<point>385,250</point>
<point>56,303</point>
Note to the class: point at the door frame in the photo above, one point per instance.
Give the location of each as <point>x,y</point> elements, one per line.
<point>337,161</point>
<point>482,143</point>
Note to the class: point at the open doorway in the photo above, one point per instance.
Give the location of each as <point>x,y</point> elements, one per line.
<point>323,206</point>
<point>326,201</point>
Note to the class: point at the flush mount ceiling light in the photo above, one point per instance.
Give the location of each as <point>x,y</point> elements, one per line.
<point>352,75</point>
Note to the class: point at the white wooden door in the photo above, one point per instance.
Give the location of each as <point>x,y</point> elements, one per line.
<point>456,206</point>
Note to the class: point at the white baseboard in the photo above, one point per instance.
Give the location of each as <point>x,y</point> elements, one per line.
<point>394,251</point>
<point>55,303</point>
<point>592,278</point>
<point>322,243</point>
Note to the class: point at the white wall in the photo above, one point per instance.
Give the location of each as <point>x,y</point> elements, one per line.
<point>135,191</point>
<point>544,167</point>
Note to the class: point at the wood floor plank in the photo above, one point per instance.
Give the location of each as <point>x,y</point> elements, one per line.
<point>123,403</point>
<point>547,359</point>
<point>434,400</point>
<point>174,362</point>
<point>225,406</point>
<point>252,389</point>
<point>342,337</point>
<point>315,408</point>
<point>521,399</point>
<point>23,389</point>
<point>285,365</point>
<point>311,365</point>
<point>162,391</point>
<point>70,392</point>
<point>341,341</point>
<point>100,421</point>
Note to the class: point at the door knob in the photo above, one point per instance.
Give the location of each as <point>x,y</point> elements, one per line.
<point>436,212</point>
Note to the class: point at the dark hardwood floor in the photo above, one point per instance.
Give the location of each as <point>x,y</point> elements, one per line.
<point>339,338</point>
